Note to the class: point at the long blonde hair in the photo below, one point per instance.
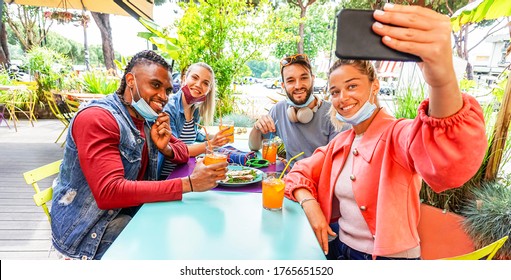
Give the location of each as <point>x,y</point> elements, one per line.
<point>207,108</point>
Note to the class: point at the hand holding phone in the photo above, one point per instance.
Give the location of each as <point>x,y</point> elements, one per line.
<point>356,39</point>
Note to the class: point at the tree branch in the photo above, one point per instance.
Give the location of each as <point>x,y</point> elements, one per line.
<point>489,33</point>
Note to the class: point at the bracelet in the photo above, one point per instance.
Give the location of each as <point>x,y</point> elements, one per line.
<point>305,200</point>
<point>190,180</point>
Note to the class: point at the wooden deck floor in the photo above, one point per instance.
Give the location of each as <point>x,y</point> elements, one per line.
<point>24,229</point>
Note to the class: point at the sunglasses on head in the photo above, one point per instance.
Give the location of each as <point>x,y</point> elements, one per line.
<point>293,59</point>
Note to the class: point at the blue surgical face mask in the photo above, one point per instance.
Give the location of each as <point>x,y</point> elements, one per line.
<point>290,103</point>
<point>141,105</point>
<point>364,113</point>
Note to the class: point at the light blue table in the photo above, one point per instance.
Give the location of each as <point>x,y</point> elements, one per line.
<point>217,225</point>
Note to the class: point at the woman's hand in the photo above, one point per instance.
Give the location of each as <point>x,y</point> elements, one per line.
<point>161,132</point>
<point>422,32</point>
<point>318,223</point>
<point>427,34</point>
<point>221,138</point>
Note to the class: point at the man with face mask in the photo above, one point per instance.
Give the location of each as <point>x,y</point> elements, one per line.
<point>110,162</point>
<point>301,121</point>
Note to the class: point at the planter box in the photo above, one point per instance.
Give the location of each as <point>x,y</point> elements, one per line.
<point>442,234</point>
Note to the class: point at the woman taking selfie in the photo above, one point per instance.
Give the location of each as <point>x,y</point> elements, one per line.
<point>368,178</point>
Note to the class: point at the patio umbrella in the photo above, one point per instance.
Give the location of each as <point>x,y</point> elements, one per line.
<point>135,8</point>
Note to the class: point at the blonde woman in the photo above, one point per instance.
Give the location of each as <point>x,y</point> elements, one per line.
<point>193,102</point>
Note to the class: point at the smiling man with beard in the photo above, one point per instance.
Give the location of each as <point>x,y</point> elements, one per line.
<point>302,120</point>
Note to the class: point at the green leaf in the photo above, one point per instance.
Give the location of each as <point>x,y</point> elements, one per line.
<point>145,35</point>
<point>167,45</point>
<point>480,10</point>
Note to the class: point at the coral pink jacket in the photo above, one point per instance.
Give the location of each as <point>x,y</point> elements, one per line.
<point>388,165</point>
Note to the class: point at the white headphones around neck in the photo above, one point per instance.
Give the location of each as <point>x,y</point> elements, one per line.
<point>303,115</point>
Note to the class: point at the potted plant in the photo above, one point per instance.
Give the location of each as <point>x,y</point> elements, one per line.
<point>99,82</point>
<point>487,213</point>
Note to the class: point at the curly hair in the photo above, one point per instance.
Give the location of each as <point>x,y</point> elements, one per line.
<point>145,57</point>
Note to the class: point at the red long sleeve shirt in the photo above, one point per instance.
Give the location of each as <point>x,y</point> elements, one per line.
<point>97,137</point>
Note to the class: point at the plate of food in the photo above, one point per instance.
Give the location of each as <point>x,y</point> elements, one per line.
<point>238,175</point>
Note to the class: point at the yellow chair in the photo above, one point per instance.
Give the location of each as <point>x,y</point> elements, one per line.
<point>35,175</point>
<point>51,101</point>
<point>32,99</point>
<point>69,111</point>
<point>2,115</point>
<point>22,99</point>
<point>73,107</point>
<point>485,253</point>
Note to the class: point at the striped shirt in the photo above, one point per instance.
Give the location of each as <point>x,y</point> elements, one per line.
<point>188,136</point>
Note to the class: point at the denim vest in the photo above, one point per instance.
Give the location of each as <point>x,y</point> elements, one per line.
<point>76,221</point>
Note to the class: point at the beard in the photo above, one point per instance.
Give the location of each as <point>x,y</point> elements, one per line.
<point>296,102</point>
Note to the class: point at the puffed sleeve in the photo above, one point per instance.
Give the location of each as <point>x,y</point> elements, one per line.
<point>446,152</point>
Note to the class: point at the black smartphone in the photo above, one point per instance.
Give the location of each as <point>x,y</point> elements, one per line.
<point>356,39</point>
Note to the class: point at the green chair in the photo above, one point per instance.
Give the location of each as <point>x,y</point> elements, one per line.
<point>33,176</point>
<point>485,253</point>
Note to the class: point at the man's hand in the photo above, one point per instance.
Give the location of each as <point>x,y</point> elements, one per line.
<point>265,124</point>
<point>161,132</point>
<point>205,177</point>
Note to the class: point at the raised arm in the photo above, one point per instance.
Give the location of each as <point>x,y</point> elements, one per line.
<point>427,34</point>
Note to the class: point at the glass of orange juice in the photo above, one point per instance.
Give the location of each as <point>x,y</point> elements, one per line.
<point>273,191</point>
<point>270,147</point>
<point>228,124</point>
<point>213,155</point>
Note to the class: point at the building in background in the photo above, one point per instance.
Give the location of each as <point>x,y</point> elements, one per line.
<point>489,59</point>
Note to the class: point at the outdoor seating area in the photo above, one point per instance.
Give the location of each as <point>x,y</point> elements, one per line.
<point>276,138</point>
<point>24,228</point>
<point>25,232</point>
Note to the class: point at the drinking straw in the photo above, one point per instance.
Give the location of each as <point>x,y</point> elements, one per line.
<point>287,165</point>
<point>207,140</point>
<point>271,133</point>
<point>220,112</point>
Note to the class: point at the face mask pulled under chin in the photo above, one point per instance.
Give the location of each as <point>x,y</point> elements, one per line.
<point>141,105</point>
<point>364,113</point>
<point>190,99</point>
<point>291,103</point>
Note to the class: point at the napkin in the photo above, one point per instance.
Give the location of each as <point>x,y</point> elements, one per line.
<point>237,156</point>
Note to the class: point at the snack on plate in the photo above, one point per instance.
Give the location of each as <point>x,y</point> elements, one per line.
<point>240,176</point>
